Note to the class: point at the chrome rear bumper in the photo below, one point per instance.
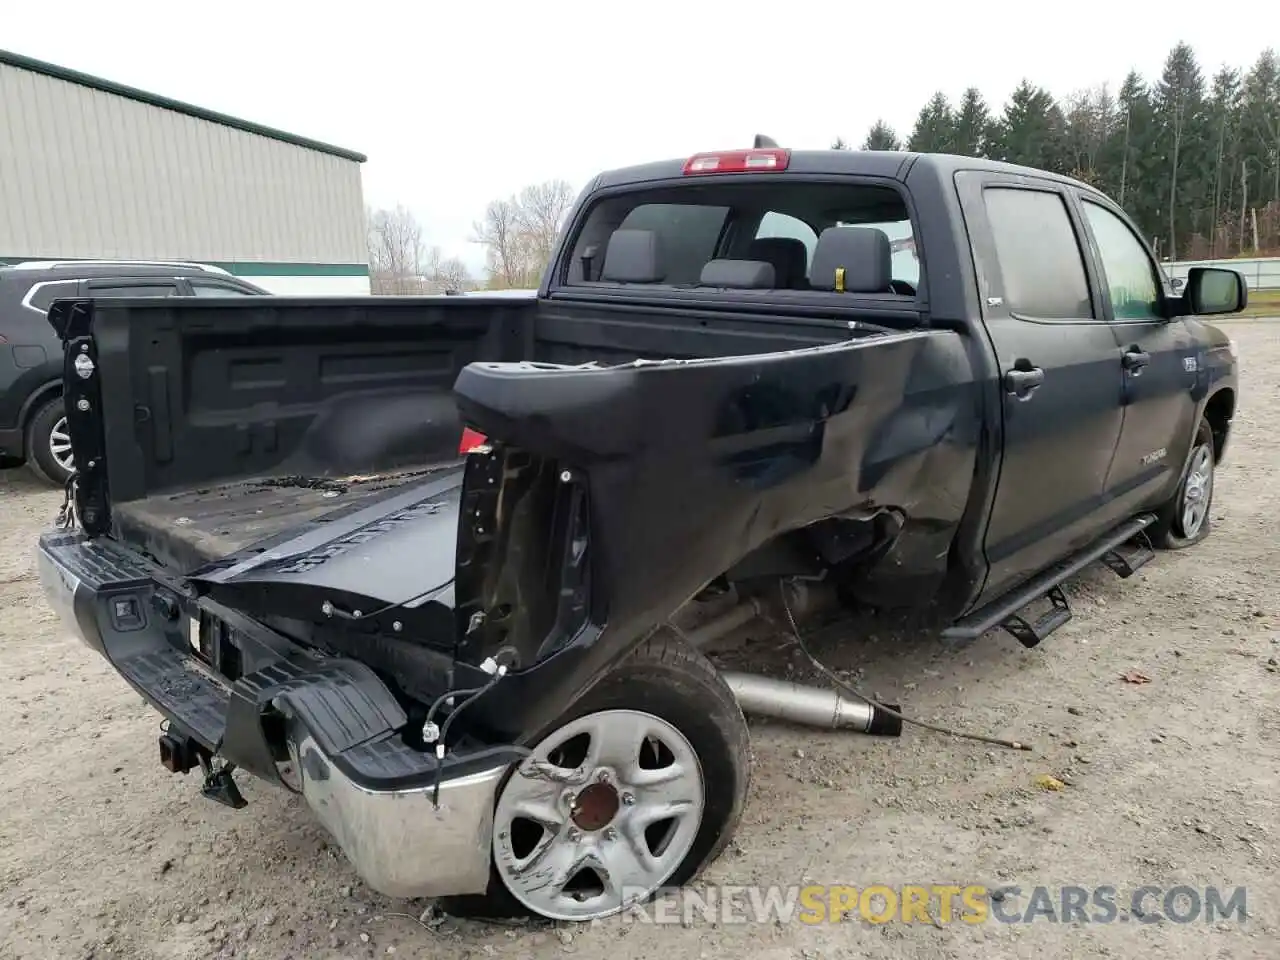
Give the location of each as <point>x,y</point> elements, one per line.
<point>401,843</point>
<point>377,803</point>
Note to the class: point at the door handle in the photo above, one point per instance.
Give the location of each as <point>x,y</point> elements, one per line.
<point>1022,380</point>
<point>1135,358</point>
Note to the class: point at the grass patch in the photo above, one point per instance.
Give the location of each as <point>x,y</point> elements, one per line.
<point>1262,303</point>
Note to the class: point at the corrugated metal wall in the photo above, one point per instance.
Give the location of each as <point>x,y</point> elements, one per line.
<point>85,173</point>
<point>1260,273</point>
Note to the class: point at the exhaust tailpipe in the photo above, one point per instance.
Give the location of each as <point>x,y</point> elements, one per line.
<point>811,706</point>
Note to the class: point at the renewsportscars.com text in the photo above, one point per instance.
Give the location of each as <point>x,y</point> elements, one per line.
<point>937,904</point>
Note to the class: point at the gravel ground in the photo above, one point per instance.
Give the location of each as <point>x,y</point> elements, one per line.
<point>1167,782</point>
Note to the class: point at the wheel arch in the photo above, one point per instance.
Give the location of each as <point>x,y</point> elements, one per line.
<point>37,399</point>
<point>1219,410</point>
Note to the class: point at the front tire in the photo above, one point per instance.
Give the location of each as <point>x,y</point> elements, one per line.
<point>49,444</point>
<point>637,788</point>
<point>1184,521</point>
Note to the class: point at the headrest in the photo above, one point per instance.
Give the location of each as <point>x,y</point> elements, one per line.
<point>633,256</point>
<point>789,256</point>
<point>861,252</point>
<point>739,274</point>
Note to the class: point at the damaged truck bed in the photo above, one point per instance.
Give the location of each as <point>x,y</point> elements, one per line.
<point>432,562</point>
<point>191,528</point>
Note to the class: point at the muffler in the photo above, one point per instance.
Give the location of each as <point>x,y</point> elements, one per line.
<point>811,706</point>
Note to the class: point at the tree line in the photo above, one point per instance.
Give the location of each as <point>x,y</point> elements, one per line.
<point>1194,160</point>
<point>518,234</point>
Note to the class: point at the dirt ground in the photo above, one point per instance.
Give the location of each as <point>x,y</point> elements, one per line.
<point>1168,782</point>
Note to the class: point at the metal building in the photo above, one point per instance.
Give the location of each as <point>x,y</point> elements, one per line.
<point>92,169</point>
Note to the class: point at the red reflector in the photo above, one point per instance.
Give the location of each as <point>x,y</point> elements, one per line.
<point>738,161</point>
<point>471,439</point>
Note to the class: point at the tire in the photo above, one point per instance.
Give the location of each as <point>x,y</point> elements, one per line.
<point>46,462</point>
<point>673,694</point>
<point>1185,520</point>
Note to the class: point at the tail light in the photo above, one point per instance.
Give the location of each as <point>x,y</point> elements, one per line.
<point>769,160</point>
<point>471,440</point>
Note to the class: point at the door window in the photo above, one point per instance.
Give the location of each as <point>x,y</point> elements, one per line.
<point>134,290</point>
<point>1131,276</point>
<point>217,290</point>
<point>1039,256</point>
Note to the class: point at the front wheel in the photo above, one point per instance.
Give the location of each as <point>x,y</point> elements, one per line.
<point>638,788</point>
<point>1184,521</point>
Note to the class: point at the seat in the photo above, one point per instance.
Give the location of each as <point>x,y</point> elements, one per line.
<point>790,259</point>
<point>852,260</point>
<point>633,256</point>
<point>738,275</point>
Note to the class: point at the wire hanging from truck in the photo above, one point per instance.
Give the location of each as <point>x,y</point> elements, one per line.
<point>855,692</point>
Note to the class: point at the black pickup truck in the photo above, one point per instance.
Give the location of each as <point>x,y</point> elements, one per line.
<point>429,562</point>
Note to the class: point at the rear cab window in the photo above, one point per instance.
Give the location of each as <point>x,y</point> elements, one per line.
<point>783,236</point>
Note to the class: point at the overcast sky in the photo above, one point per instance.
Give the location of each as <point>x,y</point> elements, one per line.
<point>457,103</point>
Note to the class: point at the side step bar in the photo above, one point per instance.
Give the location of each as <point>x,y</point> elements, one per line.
<point>1124,560</point>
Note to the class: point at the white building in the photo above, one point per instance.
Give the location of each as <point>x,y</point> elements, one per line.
<point>92,169</point>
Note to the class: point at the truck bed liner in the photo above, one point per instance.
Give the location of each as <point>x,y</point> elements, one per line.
<point>188,529</point>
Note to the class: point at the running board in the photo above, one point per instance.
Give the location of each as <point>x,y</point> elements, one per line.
<point>1006,611</point>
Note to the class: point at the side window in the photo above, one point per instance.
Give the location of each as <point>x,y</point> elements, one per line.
<point>1040,260</point>
<point>217,290</point>
<point>1131,276</point>
<point>134,290</point>
<point>40,297</point>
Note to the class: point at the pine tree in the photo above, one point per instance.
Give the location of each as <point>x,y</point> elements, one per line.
<point>881,137</point>
<point>1224,120</point>
<point>972,125</point>
<point>935,129</point>
<point>1032,130</point>
<point>1179,110</point>
<point>1260,128</point>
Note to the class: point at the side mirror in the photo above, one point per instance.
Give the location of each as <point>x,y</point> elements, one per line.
<point>1213,290</point>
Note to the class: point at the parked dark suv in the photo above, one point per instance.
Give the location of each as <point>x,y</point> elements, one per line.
<point>32,425</point>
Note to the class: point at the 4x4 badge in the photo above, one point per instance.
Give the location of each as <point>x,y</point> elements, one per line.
<point>1189,364</point>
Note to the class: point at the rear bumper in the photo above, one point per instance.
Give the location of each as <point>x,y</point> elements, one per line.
<point>339,743</point>
<point>401,842</point>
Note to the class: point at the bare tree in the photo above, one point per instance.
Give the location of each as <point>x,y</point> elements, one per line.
<point>499,231</point>
<point>396,253</point>
<point>449,273</point>
<point>519,233</point>
<point>540,212</point>
<point>1091,116</point>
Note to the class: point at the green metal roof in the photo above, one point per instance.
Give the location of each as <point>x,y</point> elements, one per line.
<point>165,103</point>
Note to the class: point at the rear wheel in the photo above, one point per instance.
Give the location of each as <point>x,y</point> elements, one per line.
<point>1184,521</point>
<point>49,444</point>
<point>636,789</point>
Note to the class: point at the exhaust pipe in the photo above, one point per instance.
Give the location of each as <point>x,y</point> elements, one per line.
<point>811,706</point>
<point>723,624</point>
